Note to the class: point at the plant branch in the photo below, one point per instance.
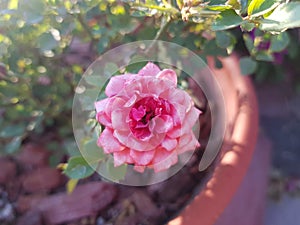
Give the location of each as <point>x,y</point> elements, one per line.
<point>85,27</point>
<point>163,26</point>
<point>170,10</point>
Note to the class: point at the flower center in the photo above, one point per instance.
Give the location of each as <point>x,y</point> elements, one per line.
<point>143,111</point>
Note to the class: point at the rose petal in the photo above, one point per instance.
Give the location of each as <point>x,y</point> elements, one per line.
<point>161,124</point>
<point>169,143</point>
<point>157,86</point>
<point>190,119</point>
<point>149,70</point>
<point>131,101</point>
<point>130,141</point>
<point>115,85</point>
<point>138,113</point>
<point>140,169</point>
<point>108,142</point>
<point>187,142</point>
<point>164,159</point>
<point>115,103</point>
<point>122,157</point>
<point>134,86</point>
<point>178,116</point>
<point>102,118</point>
<point>119,119</point>
<point>142,158</point>
<point>180,97</point>
<point>101,105</point>
<point>169,75</point>
<point>176,132</point>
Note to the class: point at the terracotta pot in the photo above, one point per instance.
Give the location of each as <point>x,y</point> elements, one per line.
<point>235,157</point>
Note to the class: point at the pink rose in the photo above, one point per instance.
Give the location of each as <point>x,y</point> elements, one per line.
<point>148,120</point>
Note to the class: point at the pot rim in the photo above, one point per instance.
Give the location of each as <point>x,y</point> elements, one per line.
<point>235,158</point>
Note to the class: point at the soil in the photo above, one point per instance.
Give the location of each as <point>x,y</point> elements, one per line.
<point>32,194</point>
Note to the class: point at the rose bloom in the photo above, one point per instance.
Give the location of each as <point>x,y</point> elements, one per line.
<point>148,120</point>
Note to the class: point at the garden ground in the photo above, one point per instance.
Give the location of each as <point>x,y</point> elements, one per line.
<point>280,122</point>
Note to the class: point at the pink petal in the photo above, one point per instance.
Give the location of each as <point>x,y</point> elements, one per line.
<point>101,105</point>
<point>138,113</point>
<point>113,104</point>
<point>116,84</point>
<point>179,113</point>
<point>122,157</point>
<point>103,119</point>
<point>142,158</point>
<point>187,142</point>
<point>131,101</point>
<point>127,139</point>
<point>149,70</point>
<point>108,142</point>
<point>163,160</point>
<point>133,87</point>
<point>169,75</point>
<point>119,119</point>
<point>140,169</point>
<point>176,132</point>
<point>169,143</point>
<point>161,124</point>
<point>180,97</point>
<point>190,119</point>
<point>157,86</point>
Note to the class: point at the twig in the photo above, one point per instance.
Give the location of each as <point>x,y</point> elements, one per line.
<point>86,27</point>
<point>170,10</point>
<point>163,26</point>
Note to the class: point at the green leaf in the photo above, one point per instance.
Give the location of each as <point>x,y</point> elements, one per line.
<point>211,48</point>
<point>219,7</point>
<point>13,146</point>
<point>284,17</point>
<point>218,63</point>
<point>12,131</point>
<point>279,42</point>
<point>226,20</point>
<point>136,63</point>
<point>110,69</point>
<point>102,44</point>
<point>71,147</point>
<point>247,26</point>
<point>47,42</point>
<point>248,42</point>
<point>32,10</point>
<point>116,173</point>
<point>247,65</point>
<point>78,168</point>
<point>234,4</point>
<point>260,7</point>
<point>244,5</point>
<point>224,39</point>
<point>137,13</point>
<point>264,56</point>
<point>92,153</point>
